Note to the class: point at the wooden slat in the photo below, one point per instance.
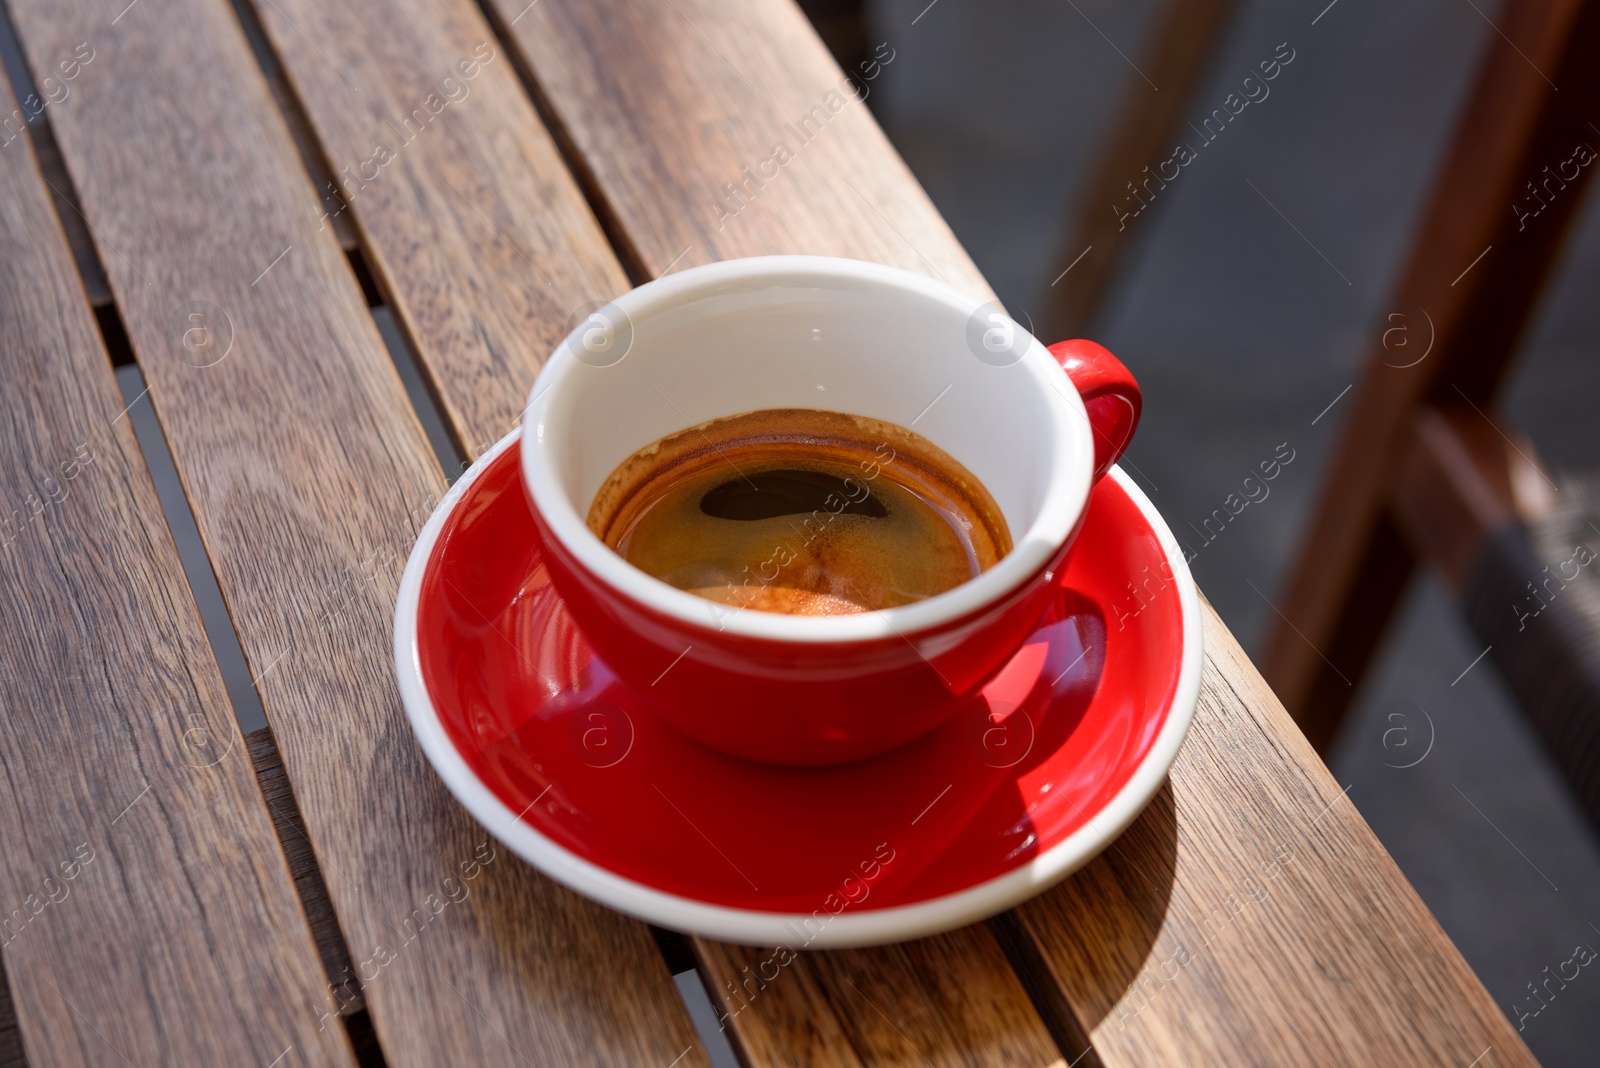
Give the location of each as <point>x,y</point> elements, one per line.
<point>476,229</point>
<point>658,114</point>
<point>290,827</point>
<point>951,1000</point>
<point>1481,255</point>
<point>311,155</point>
<point>678,99</point>
<point>148,915</point>
<point>68,214</point>
<point>309,477</point>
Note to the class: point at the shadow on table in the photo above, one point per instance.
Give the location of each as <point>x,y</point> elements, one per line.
<point>1081,947</point>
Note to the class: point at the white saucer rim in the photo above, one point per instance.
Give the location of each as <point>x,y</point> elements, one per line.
<point>848,928</point>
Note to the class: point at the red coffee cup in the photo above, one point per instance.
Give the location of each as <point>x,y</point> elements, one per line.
<point>847,336</point>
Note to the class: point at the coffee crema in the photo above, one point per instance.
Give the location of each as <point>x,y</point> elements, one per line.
<point>800,511</point>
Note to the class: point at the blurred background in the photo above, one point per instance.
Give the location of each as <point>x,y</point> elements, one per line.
<point>1249,295</point>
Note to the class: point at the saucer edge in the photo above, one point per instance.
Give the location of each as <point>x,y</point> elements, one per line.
<point>752,927</point>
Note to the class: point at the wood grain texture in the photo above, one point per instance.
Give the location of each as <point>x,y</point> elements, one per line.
<point>951,1000</point>
<point>309,884</point>
<point>734,115</point>
<point>658,113</point>
<point>309,477</point>
<point>69,215</point>
<point>474,227</point>
<point>305,141</point>
<point>1488,240</point>
<point>146,913</point>
<point>1249,917</point>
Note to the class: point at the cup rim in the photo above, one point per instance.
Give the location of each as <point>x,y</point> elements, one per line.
<point>1059,511</point>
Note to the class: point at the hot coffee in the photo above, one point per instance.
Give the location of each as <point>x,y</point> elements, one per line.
<point>800,511</point>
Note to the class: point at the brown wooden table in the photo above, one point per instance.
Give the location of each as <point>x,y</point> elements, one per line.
<point>175,894</point>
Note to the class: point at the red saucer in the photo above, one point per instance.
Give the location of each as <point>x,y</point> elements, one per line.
<point>1091,708</point>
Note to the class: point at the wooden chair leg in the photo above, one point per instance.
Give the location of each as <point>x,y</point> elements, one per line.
<point>1508,189</point>
<point>1143,131</point>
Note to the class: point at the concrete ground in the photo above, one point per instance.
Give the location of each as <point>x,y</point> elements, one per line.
<point>1242,330</point>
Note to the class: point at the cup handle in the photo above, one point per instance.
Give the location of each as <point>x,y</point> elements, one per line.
<point>1110,395</point>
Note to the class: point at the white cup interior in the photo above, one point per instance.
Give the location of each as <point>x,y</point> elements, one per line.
<point>810,332</point>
